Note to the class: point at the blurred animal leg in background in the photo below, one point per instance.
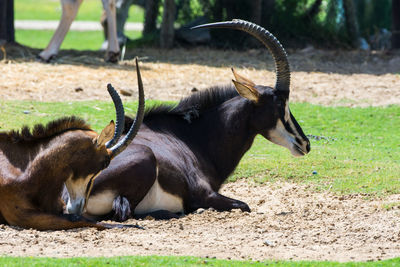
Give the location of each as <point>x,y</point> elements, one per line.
<point>122,14</point>
<point>113,47</point>
<point>69,10</point>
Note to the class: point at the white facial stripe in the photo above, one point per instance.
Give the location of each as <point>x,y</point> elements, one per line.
<point>77,187</point>
<point>280,136</point>
<point>287,112</point>
<point>293,127</point>
<point>77,193</point>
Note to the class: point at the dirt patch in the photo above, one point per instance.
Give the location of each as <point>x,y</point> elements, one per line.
<point>319,77</point>
<point>287,221</point>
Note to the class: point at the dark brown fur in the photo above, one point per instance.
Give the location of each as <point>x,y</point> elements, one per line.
<point>34,164</point>
<point>40,131</point>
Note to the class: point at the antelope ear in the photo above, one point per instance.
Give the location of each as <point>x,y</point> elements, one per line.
<point>247,91</point>
<point>106,134</point>
<point>242,79</point>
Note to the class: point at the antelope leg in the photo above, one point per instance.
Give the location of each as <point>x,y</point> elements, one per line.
<point>113,46</point>
<point>45,221</point>
<point>69,11</point>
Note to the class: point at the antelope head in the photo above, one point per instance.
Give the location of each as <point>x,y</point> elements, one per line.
<point>271,116</point>
<point>92,152</point>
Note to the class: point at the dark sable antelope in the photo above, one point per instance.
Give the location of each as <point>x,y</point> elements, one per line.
<point>184,153</point>
<point>34,165</point>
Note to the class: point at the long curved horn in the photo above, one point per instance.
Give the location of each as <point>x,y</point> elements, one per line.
<point>120,116</point>
<point>122,144</point>
<point>273,45</point>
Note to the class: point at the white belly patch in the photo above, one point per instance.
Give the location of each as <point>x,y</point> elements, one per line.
<point>100,204</point>
<point>158,199</point>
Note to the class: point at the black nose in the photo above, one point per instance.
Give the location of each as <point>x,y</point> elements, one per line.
<point>308,147</point>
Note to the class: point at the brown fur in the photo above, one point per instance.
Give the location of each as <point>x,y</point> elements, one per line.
<point>34,166</point>
<point>41,131</point>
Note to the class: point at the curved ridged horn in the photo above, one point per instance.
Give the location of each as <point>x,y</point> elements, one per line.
<point>120,116</point>
<point>122,144</point>
<point>270,41</point>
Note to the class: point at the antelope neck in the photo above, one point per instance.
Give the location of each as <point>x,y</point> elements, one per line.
<point>229,135</point>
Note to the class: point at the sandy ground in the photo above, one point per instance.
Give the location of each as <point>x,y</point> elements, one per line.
<point>319,77</point>
<point>287,221</point>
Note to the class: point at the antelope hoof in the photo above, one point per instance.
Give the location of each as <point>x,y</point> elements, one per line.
<point>39,58</point>
<point>112,57</point>
<point>242,206</point>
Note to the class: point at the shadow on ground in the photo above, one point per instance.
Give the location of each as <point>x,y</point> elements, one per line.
<point>306,60</point>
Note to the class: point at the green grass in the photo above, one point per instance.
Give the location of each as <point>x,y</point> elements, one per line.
<point>90,10</point>
<point>173,261</point>
<point>88,40</point>
<point>18,113</point>
<point>358,148</point>
<point>358,151</point>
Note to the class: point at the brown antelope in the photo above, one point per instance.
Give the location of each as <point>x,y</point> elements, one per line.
<point>69,10</point>
<point>35,164</point>
<point>183,153</point>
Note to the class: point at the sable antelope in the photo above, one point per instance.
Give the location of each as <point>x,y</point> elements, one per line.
<point>34,165</point>
<point>184,153</point>
<point>69,11</point>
